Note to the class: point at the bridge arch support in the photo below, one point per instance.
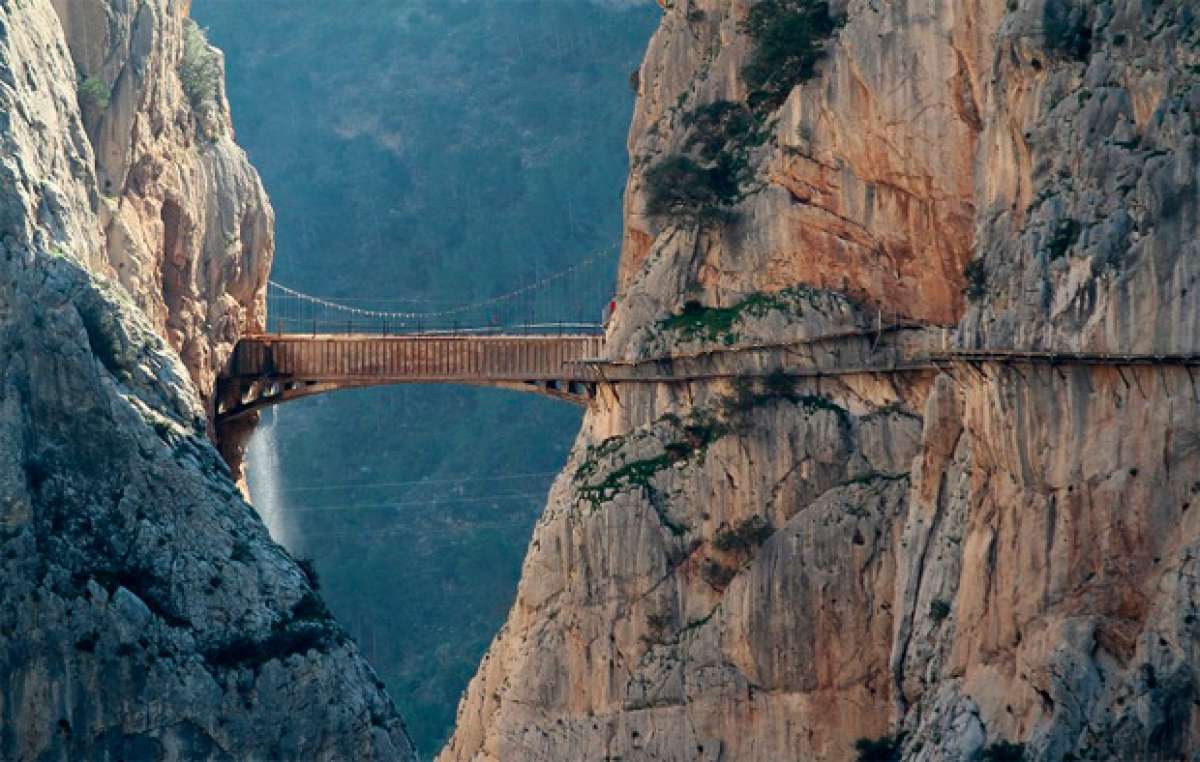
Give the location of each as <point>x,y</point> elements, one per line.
<point>270,370</point>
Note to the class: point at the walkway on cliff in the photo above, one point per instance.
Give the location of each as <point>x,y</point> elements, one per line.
<point>271,369</point>
<point>315,345</point>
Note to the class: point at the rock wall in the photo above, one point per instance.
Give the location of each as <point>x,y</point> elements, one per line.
<point>944,562</point>
<point>145,613</point>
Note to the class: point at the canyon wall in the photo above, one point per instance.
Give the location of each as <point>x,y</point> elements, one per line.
<point>946,563</point>
<point>146,612</point>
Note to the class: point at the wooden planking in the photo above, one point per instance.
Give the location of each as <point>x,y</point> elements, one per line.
<point>483,358</point>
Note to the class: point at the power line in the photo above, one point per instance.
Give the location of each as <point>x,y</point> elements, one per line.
<point>402,503</point>
<point>416,482</point>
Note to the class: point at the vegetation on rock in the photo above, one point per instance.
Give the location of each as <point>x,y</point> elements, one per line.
<point>199,69</point>
<point>1003,751</point>
<point>882,749</point>
<point>680,187</point>
<point>789,39</point>
<point>1065,235</point>
<point>976,274</point>
<point>747,535</point>
<point>1066,29</point>
<point>94,93</point>
<point>695,321</point>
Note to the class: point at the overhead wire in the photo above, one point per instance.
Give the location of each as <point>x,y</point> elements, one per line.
<point>449,312</point>
<point>414,482</point>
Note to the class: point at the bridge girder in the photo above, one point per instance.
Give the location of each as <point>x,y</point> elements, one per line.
<point>240,396</point>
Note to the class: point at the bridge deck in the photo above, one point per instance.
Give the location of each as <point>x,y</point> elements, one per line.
<point>269,369</point>
<point>413,358</point>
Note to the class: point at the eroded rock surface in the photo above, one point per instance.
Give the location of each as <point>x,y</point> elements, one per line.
<point>145,612</point>
<point>948,562</point>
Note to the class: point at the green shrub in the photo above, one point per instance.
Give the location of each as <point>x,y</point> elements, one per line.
<point>310,608</point>
<point>681,188</point>
<point>280,644</point>
<point>309,567</point>
<point>720,126</point>
<point>1003,751</point>
<point>1066,30</point>
<point>882,749</point>
<point>779,383</point>
<point>94,93</point>
<point>1066,233</point>
<point>199,69</point>
<point>789,39</point>
<point>697,321</point>
<point>976,275</point>
<point>938,610</point>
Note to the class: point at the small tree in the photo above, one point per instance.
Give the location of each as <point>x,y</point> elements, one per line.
<point>199,69</point>
<point>680,187</point>
<point>1003,751</point>
<point>976,275</point>
<point>938,610</point>
<point>789,38</point>
<point>1066,30</point>
<point>882,749</point>
<point>94,93</point>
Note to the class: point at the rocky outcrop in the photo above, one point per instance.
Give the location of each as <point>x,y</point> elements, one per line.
<point>944,564</point>
<point>184,223</point>
<point>145,611</point>
<point>186,226</point>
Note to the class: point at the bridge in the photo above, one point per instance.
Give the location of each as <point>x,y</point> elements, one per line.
<point>270,369</point>
<point>314,345</point>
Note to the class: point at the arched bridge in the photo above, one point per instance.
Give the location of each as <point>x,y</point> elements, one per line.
<point>315,346</point>
<point>269,369</point>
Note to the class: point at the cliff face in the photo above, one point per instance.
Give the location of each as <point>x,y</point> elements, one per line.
<point>774,569</point>
<point>145,611</point>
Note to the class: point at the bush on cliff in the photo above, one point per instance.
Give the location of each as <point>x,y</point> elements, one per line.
<point>94,93</point>
<point>789,39</point>
<point>1066,30</point>
<point>199,69</point>
<point>882,749</point>
<point>681,188</point>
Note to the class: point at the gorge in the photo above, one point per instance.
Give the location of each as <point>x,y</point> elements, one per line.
<point>992,558</point>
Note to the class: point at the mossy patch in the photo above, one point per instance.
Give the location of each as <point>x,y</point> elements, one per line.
<point>696,321</point>
<point>749,395</point>
<point>693,439</point>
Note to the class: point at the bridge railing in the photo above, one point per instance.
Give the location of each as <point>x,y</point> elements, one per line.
<point>278,325</point>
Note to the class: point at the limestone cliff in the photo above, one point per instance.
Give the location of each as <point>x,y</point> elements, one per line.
<point>946,563</point>
<point>145,612</point>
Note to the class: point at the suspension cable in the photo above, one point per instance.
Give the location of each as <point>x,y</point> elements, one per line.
<point>457,310</point>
